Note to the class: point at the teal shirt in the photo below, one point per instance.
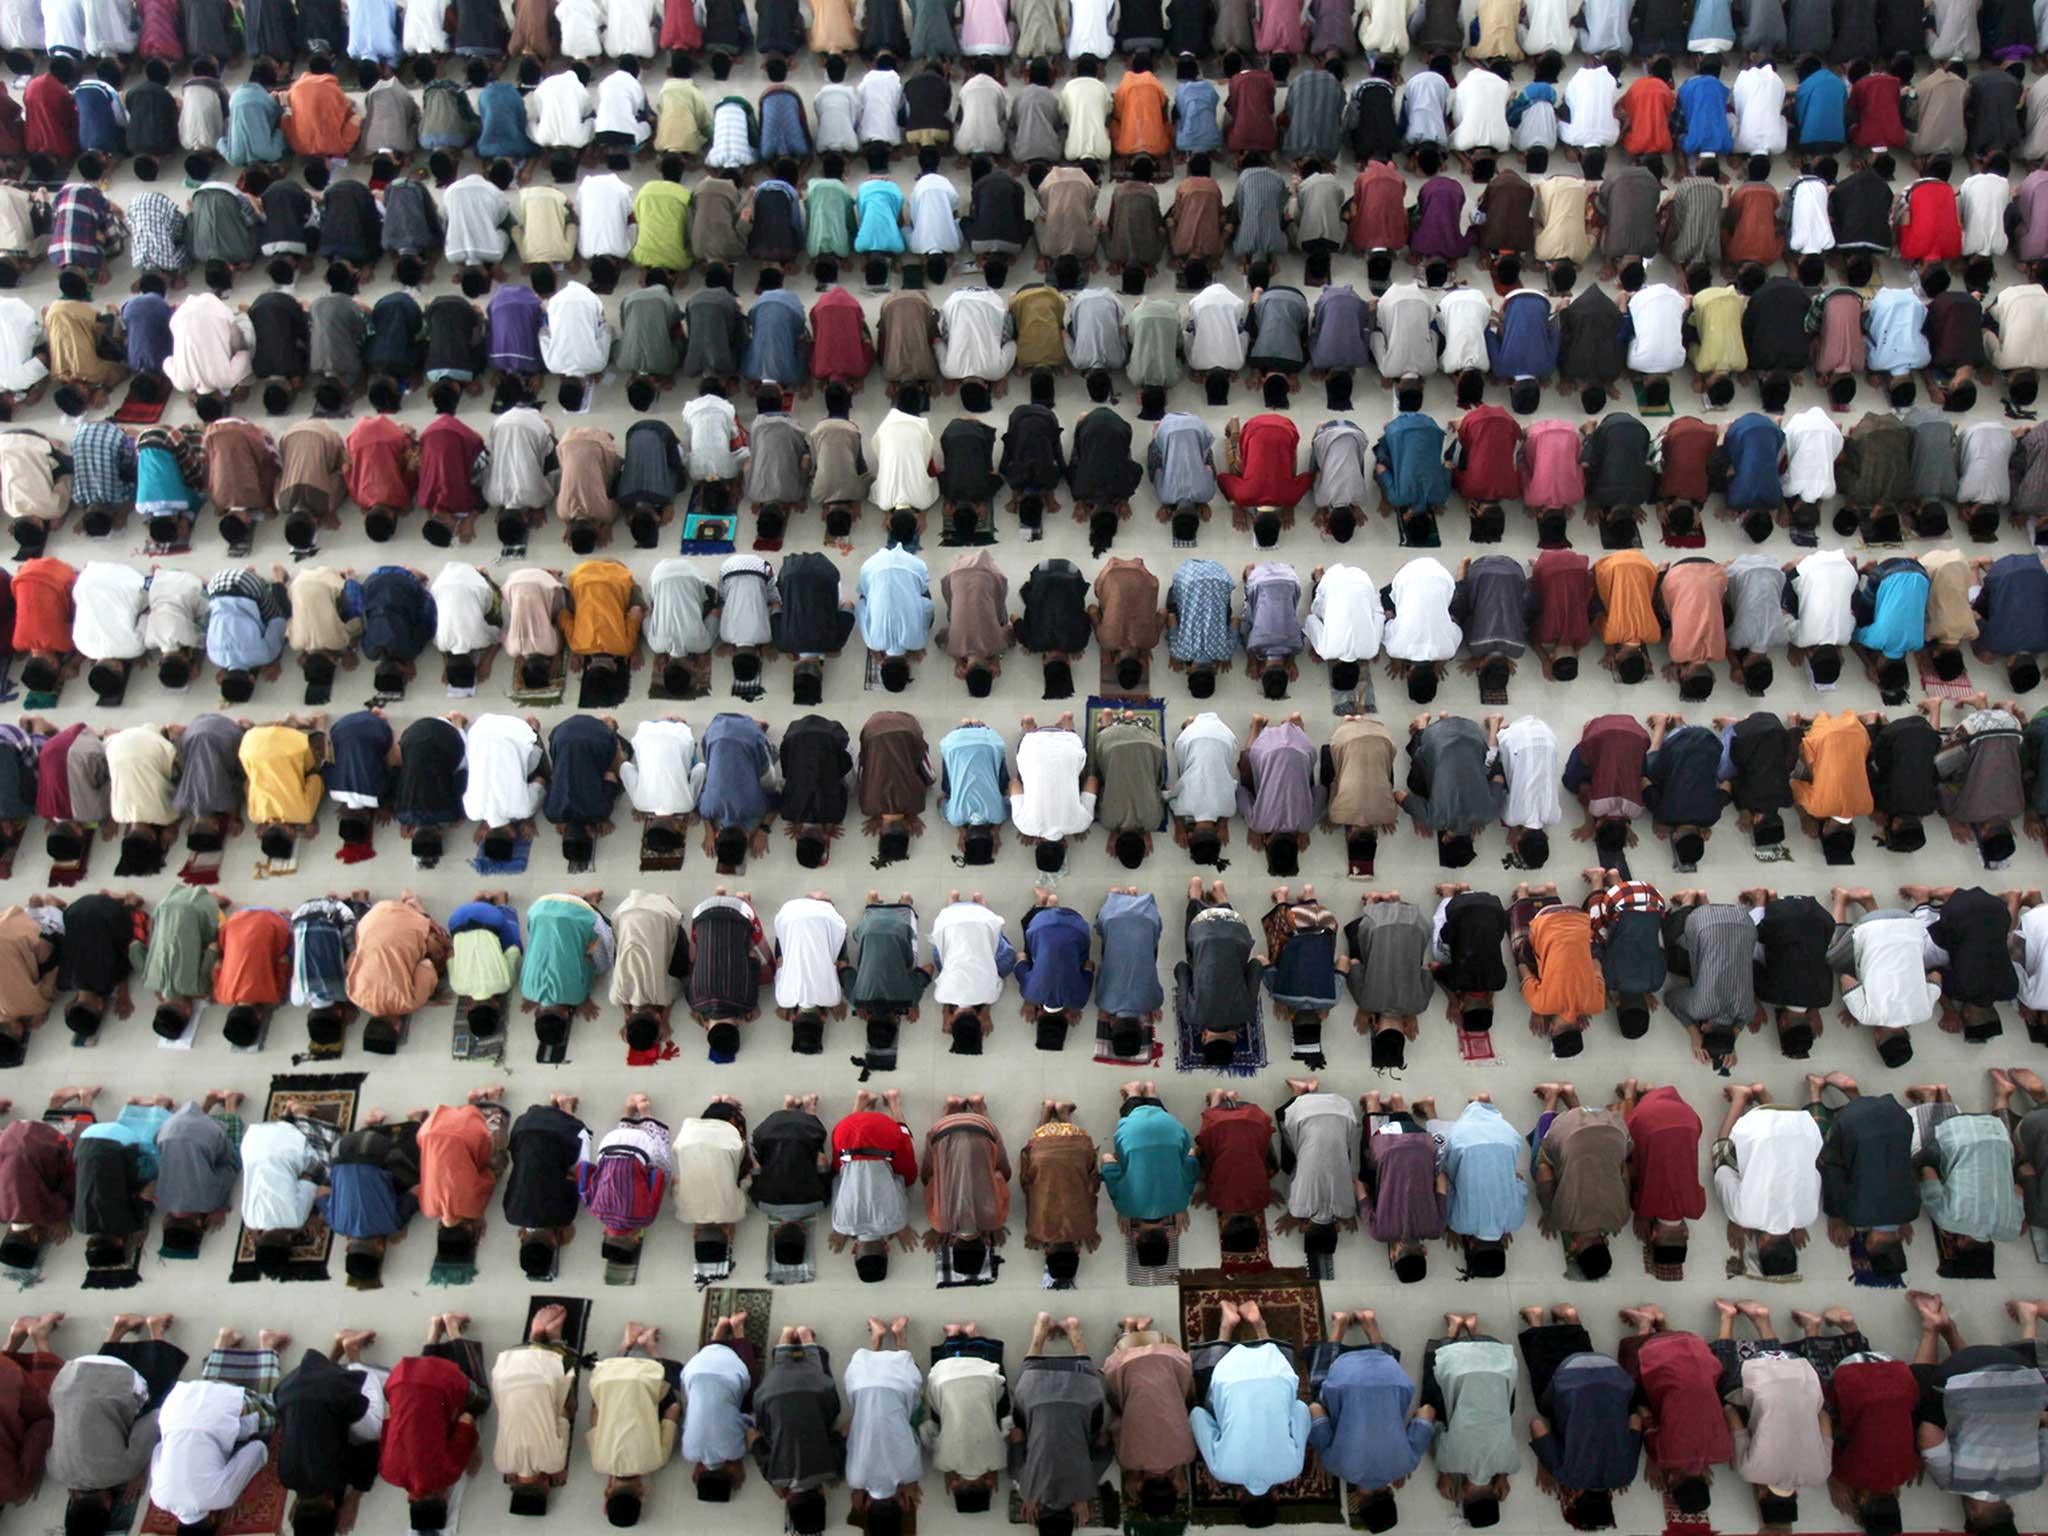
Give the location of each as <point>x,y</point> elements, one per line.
<point>1155,1168</point>
<point>255,127</point>
<point>557,969</point>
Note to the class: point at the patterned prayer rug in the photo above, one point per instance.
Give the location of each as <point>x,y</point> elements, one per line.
<point>124,1272</point>
<point>258,1512</point>
<point>1148,1053</point>
<point>328,1103</point>
<point>1251,1044</point>
<point>723,1301</point>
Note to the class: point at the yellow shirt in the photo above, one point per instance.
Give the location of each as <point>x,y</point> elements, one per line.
<point>1717,316</point>
<point>278,763</point>
<point>628,1435</point>
<point>602,592</point>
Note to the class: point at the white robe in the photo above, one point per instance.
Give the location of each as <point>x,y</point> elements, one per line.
<point>111,30</point>
<point>1383,26</point>
<point>1547,28</point>
<point>502,752</point>
<point>629,27</point>
<point>1812,231</point>
<point>1758,97</point>
<point>582,24</point>
<point>21,25</point>
<point>423,31</point>
<point>1421,628</point>
<point>1589,97</point>
<point>2035,106</point>
<point>205,357</point>
<point>1479,110</point>
<point>1051,802</point>
<point>1606,28</point>
<point>1981,202</point>
<point>1093,29</point>
<point>21,332</point>
<point>64,24</point>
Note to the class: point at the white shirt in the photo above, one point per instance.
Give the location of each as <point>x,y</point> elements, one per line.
<point>621,103</point>
<point>1589,96</point>
<point>21,332</point>
<point>276,1189</point>
<point>677,624</point>
<point>1421,628</point>
<point>561,111</point>
<point>629,29</point>
<point>1090,30</point>
<point>713,1375</point>
<point>709,422</point>
<point>880,95</point>
<point>2021,311</point>
<point>1479,110</point>
<point>883,1392</point>
<point>1812,442</point>
<point>478,217</point>
<point>581,26</point>
<point>1215,327</point>
<point>1346,617</point>
<point>1529,746</point>
<point>503,753</point>
<point>107,603</point>
<point>1205,769</point>
<point>984,117</point>
<point>903,452</point>
<point>1758,97</point>
<point>1462,317</point>
<point>462,605</point>
<point>195,1469</point>
<point>2033,966</point>
<point>1774,1186</point>
<point>1086,101</point>
<point>809,934</point>
<point>973,335</point>
<point>423,31</point>
<point>1657,310</point>
<point>1812,230</point>
<point>657,778</point>
<point>1892,990</point>
<point>176,619</point>
<point>935,213</point>
<point>1824,582</point>
<point>964,938</point>
<point>604,209</point>
<point>1051,802</point>
<point>1984,449</point>
<point>64,25</point>
<point>209,350</point>
<point>1981,202</point>
<point>577,341</point>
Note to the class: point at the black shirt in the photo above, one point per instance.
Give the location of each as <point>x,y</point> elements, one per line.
<point>1902,781</point>
<point>455,335</point>
<point>106,1196</point>
<point>1475,929</point>
<point>152,120</point>
<point>1866,1164</point>
<point>1991,108</point>
<point>1616,458</point>
<point>351,224</point>
<point>773,235</point>
<point>1764,755</point>
<point>995,210</point>
<point>786,1148</point>
<point>1794,972</point>
<point>287,208</point>
<point>651,472</point>
<point>540,1188</point>
<point>808,585</point>
<point>316,1405</point>
<point>778,27</point>
<point>1589,339</point>
<point>1860,208</point>
<point>1684,774</point>
<point>94,954</point>
<point>718,335</point>
<point>1102,469</point>
<point>431,777</point>
<point>1974,927</point>
<point>395,326</point>
<point>284,336</point>
<point>815,761</point>
<point>1055,604</point>
<point>1774,325</point>
<point>1032,457</point>
<point>969,449</point>
<point>927,102</point>
<point>1190,27</point>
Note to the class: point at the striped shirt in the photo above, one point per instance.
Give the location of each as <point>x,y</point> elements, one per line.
<point>1604,906</point>
<point>623,1185</point>
<point>725,976</point>
<point>102,465</point>
<point>242,581</point>
<point>323,932</point>
<point>1995,1447</point>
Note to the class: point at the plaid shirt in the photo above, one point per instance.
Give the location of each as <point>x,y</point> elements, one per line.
<point>1603,907</point>
<point>242,581</point>
<point>102,465</point>
<point>84,227</point>
<point>156,225</point>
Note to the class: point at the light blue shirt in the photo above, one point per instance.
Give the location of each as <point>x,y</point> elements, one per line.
<point>1369,1436</point>
<point>1254,1430</point>
<point>136,1126</point>
<point>1127,979</point>
<point>373,31</point>
<point>971,758</point>
<point>1891,322</point>
<point>1898,622</point>
<point>895,605</point>
<point>238,639</point>
<point>1482,1158</point>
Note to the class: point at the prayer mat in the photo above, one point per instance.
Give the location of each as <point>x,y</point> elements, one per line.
<point>1643,407</point>
<point>706,533</point>
<point>201,868</point>
<point>664,861</point>
<point>1137,1273</point>
<point>35,700</point>
<point>1959,687</point>
<point>258,1512</point>
<point>698,667</point>
<point>1959,1259</point>
<point>789,1274</point>
<point>1860,1270</point>
<point>1255,1261</point>
<point>65,872</point>
<point>1148,1053</point>
<point>1657,1271</point>
<point>1697,539</point>
<point>547,696</point>
<point>329,1101</point>
<point>707,1273</point>
<point>1678,1523</point>
<point>947,1278</point>
<point>1141,691</point>
<point>447,1272</point>
<point>1475,1048</point>
<point>1250,1058</point>
<point>123,1273</point>
<point>723,1301</point>
<point>1492,697</point>
<point>24,1276</point>
<point>603,687</point>
<point>464,1045</point>
<point>183,1040</point>
<point>1105,1512</point>
<point>984,531</point>
<point>624,1270</point>
<point>133,411</point>
<point>522,850</point>
<point>1292,1304</point>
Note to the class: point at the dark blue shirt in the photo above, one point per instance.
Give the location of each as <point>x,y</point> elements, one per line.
<point>1684,775</point>
<point>364,1201</point>
<point>1820,110</point>
<point>1525,346</point>
<point>359,743</point>
<point>398,614</point>
<point>1753,444</point>
<point>501,111</point>
<point>580,754</point>
<point>2014,605</point>
<point>1590,1444</point>
<point>147,318</point>
<point>1057,974</point>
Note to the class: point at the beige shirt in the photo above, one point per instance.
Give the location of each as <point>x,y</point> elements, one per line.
<point>544,233</point>
<point>708,1158</point>
<point>628,1435</point>
<point>316,623</point>
<point>1363,754</point>
<point>532,599</point>
<point>530,1390</point>
<point>1950,576</point>
<point>142,772</point>
<point>1561,232</point>
<point>682,119</point>
<point>644,929</point>
<point>314,473</point>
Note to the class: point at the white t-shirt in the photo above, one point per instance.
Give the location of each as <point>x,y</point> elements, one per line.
<point>107,601</point>
<point>964,938</point>
<point>1346,617</point>
<point>502,753</point>
<point>1758,97</point>
<point>1462,318</point>
<point>1774,1186</point>
<point>1051,803</point>
<point>657,779</point>
<point>462,603</point>
<point>810,934</point>
<point>1530,747</point>
<point>1589,98</point>
<point>1812,443</point>
<point>1824,583</point>
<point>604,210</point>
<point>1657,313</point>
<point>1421,628</point>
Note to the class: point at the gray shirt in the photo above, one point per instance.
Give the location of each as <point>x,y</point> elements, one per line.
<point>1095,331</point>
<point>776,469</point>
<point>1448,757</point>
<point>1340,454</point>
<point>1492,606</point>
<point>1756,591</point>
<point>1403,332</point>
<point>1933,453</point>
<point>647,325</point>
<point>1319,208</point>
<point>340,328</point>
<point>1130,761</point>
<point>209,768</point>
<point>1038,128</point>
<point>1315,115</point>
<point>1279,326</point>
<point>1181,460</point>
<point>197,1162</point>
<point>1719,941</point>
<point>1389,958</point>
<point>101,1438</point>
<point>1059,1403</point>
<point>1260,209</point>
<point>521,443</point>
<point>1155,329</point>
<point>1320,1132</point>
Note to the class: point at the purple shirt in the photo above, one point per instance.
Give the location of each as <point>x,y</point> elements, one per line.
<point>515,315</point>
<point>1283,773</point>
<point>2031,202</point>
<point>1439,215</point>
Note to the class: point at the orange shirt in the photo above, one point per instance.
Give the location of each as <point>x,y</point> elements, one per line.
<point>601,622</point>
<point>1646,106</point>
<point>319,119</point>
<point>42,605</point>
<point>1137,115</point>
<point>392,971</point>
<point>1626,584</point>
<point>1836,754</point>
<point>1567,979</point>
<point>255,965</point>
<point>1693,593</point>
<point>456,1178</point>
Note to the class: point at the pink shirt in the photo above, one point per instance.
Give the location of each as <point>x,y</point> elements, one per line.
<point>1550,465</point>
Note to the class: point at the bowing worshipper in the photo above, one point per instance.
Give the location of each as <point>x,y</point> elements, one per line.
<point>796,1405</point>
<point>1711,949</point>
<point>1780,1432</point>
<point>1365,1425</point>
<point>546,1146</point>
<point>729,954</point>
<point>1450,791</point>
<point>1561,981</point>
<point>1058,1173</point>
<point>1484,1194</point>
<point>485,950</point>
<point>731,781</point>
<point>635,1411</point>
<point>1235,1144</point>
<point>254,972</point>
<point>331,1411</point>
<point>141,765</point>
<point>712,1163</point>
<point>810,621</point>
<point>623,1178</point>
<point>1387,973</point>
<point>31,943</point>
<point>1151,1170</point>
<point>533,1388</point>
<point>400,959</point>
<point>38,1180</point>
<point>1251,1427</point>
<point>1261,482</point>
<point>1833,783</point>
<point>1664,1183</point>
<point>104,1416</point>
<point>978,624</point>
<point>1581,1171</point>
<point>1303,970</point>
<point>1127,619</point>
<point>885,1399</point>
<point>1965,1165</point>
<point>1054,623</point>
<point>966,1401</point>
<point>657,774</point>
<point>284,1177</point>
<point>1054,974</point>
<point>894,611</point>
<point>197,1166</point>
<point>1128,995</point>
<point>973,775</point>
<point>245,628</point>
<point>1469,1379</point>
<point>176,961</point>
<point>1767,1178</point>
<point>506,781</point>
<point>280,767</point>
<point>892,775</point>
<point>1979,777</point>
<point>817,779</point>
<point>1277,795</point>
<point>1216,987</point>
<point>970,957</point>
<point>462,1152</point>
<point>651,954</point>
<point>1205,784</point>
<point>1904,786</point>
<point>876,1161</point>
<point>1970,934</point>
<point>966,1173</point>
<point>94,963</point>
<point>1685,1431</point>
<point>1588,1441</point>
<point>712,1393</point>
<point>1887,986</point>
<point>792,1178</point>
<point>601,628</point>
<point>433,1401</point>
<point>213,1433</point>
<point>1979,1438</point>
<point>1868,1188</point>
<point>373,1179</point>
<point>432,781</point>
<point>1052,797</point>
<point>569,944</point>
<point>1683,791</point>
<point>1060,1424</point>
<point>1320,1151</point>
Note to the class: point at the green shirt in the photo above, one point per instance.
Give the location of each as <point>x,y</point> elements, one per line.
<point>558,969</point>
<point>661,210</point>
<point>828,217</point>
<point>178,961</point>
<point>481,966</point>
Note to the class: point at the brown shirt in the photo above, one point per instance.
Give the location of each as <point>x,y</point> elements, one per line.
<point>1194,224</point>
<point>715,221</point>
<point>977,607</point>
<point>590,465</point>
<point>906,333</point>
<point>1587,1150</point>
<point>1066,214</point>
<point>1127,596</point>
<point>241,465</point>
<point>1693,594</point>
<point>893,772</point>
<point>1137,226</point>
<point>839,467</point>
<point>1040,316</point>
<point>1058,1171</point>
<point>1751,223</point>
<point>314,477</point>
<point>1950,618</point>
<point>73,331</point>
<point>1150,1386</point>
<point>26,987</point>
<point>966,1176</point>
<point>1939,127</point>
<point>1362,794</point>
<point>393,970</point>
<point>1509,204</point>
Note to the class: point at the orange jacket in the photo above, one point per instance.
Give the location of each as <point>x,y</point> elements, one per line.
<point>319,119</point>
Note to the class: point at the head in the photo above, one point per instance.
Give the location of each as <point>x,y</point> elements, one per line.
<point>1776,1256</point>
<point>1593,1256</point>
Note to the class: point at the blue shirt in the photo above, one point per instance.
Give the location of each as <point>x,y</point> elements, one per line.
<point>1127,981</point>
<point>1892,323</point>
<point>500,920</point>
<point>319,957</point>
<point>255,132</point>
<point>895,604</point>
<point>1253,1432</point>
<point>1155,1168</point>
<point>557,969</point>
<point>515,315</point>
<point>238,639</point>
<point>501,113</point>
<point>735,752</point>
<point>373,31</point>
<point>782,131</point>
<point>1194,118</point>
<point>1704,101</point>
<point>1525,344</point>
<point>364,1201</point>
<point>99,118</point>
<point>775,338</point>
<point>1820,110</point>
<point>2015,603</point>
<point>1753,444</point>
<point>398,613</point>
<point>1056,974</point>
<point>1368,1437</point>
<point>1898,622</point>
<point>136,1127</point>
<point>1482,1158</point>
<point>879,207</point>
<point>147,318</point>
<point>1200,602</point>
<point>1410,459</point>
<point>359,743</point>
<point>971,762</point>
<point>1590,1444</point>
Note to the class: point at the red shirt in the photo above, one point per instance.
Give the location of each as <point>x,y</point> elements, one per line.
<point>50,125</point>
<point>1873,1402</point>
<point>1680,1378</point>
<point>1874,109</point>
<point>42,605</point>
<point>1236,1149</point>
<point>1563,583</point>
<point>25,1421</point>
<point>1684,449</point>
<point>1379,209</point>
<point>1250,104</point>
<point>1611,750</point>
<point>449,449</point>
<point>378,472</point>
<point>1646,107</point>
<point>426,1450</point>
<point>1488,438</point>
<point>1664,1167</point>
<point>1267,446</point>
<point>872,1132</point>
<point>255,965</point>
<point>841,347</point>
<point>1933,231</point>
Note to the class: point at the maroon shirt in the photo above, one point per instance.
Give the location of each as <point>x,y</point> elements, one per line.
<point>1612,752</point>
<point>1488,438</point>
<point>1236,1149</point>
<point>1563,583</point>
<point>35,1174</point>
<point>1250,104</point>
<point>1509,205</point>
<point>840,345</point>
<point>51,119</point>
<point>1679,1379</point>
<point>1687,445</point>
